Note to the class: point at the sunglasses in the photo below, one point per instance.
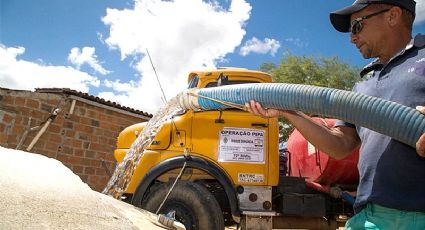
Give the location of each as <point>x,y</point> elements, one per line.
<point>357,26</point>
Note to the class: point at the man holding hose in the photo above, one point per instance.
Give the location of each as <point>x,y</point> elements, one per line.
<point>391,192</point>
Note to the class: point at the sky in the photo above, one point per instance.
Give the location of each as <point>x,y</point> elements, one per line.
<point>100,47</point>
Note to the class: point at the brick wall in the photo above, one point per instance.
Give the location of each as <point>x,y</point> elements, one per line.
<point>81,140</point>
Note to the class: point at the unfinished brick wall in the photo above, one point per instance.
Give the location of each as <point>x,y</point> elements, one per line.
<point>81,140</point>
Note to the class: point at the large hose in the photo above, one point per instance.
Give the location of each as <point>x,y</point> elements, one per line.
<point>400,122</point>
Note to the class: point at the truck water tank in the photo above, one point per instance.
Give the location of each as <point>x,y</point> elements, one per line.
<point>307,161</point>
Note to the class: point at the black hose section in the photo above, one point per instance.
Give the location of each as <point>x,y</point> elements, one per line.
<point>400,122</point>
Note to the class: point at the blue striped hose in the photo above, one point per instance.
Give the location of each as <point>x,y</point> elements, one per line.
<point>400,122</point>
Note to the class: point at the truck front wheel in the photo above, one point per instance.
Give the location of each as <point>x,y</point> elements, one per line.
<point>195,207</point>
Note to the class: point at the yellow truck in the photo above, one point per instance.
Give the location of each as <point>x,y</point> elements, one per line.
<point>234,172</point>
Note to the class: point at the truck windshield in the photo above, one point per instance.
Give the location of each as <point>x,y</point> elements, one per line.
<point>193,82</point>
<point>230,82</point>
<point>195,79</point>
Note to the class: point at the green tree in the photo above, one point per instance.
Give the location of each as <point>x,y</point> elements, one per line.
<point>325,72</point>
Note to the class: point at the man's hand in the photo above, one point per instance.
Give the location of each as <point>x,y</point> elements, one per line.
<point>420,145</point>
<point>256,109</point>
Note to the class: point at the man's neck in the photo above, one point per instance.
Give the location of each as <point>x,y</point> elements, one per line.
<point>393,46</point>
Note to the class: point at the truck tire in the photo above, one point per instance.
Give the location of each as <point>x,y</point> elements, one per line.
<point>195,207</point>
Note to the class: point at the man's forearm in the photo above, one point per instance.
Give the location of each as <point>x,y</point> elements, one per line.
<point>336,142</point>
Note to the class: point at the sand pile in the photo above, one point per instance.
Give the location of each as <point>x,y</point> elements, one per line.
<point>41,193</point>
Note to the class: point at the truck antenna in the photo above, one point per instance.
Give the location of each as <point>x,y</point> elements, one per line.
<point>164,99</point>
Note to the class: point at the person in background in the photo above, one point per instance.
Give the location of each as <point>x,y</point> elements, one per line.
<point>391,191</point>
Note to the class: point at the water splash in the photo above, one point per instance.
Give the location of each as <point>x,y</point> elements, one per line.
<point>124,171</point>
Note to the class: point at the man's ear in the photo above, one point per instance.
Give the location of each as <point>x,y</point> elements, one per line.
<point>394,15</point>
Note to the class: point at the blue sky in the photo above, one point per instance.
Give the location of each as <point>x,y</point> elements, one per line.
<point>99,46</point>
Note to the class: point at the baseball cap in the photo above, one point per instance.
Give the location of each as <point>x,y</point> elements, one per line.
<point>340,19</point>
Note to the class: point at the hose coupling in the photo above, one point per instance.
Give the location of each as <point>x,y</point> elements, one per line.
<point>188,99</point>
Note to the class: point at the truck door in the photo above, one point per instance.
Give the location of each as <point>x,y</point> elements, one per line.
<point>237,141</point>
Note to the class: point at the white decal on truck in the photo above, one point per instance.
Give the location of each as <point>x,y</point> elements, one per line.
<point>250,177</point>
<point>241,145</point>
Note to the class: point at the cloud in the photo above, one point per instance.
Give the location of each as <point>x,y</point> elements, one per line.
<point>20,74</point>
<point>262,47</point>
<point>86,56</point>
<point>181,35</point>
<point>120,87</point>
<point>420,11</point>
<point>297,42</point>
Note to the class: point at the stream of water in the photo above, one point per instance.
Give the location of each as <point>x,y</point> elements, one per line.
<point>124,171</point>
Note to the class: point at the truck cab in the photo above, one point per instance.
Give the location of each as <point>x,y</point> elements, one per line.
<point>228,167</point>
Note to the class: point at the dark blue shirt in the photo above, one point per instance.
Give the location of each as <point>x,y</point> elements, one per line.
<point>392,174</point>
